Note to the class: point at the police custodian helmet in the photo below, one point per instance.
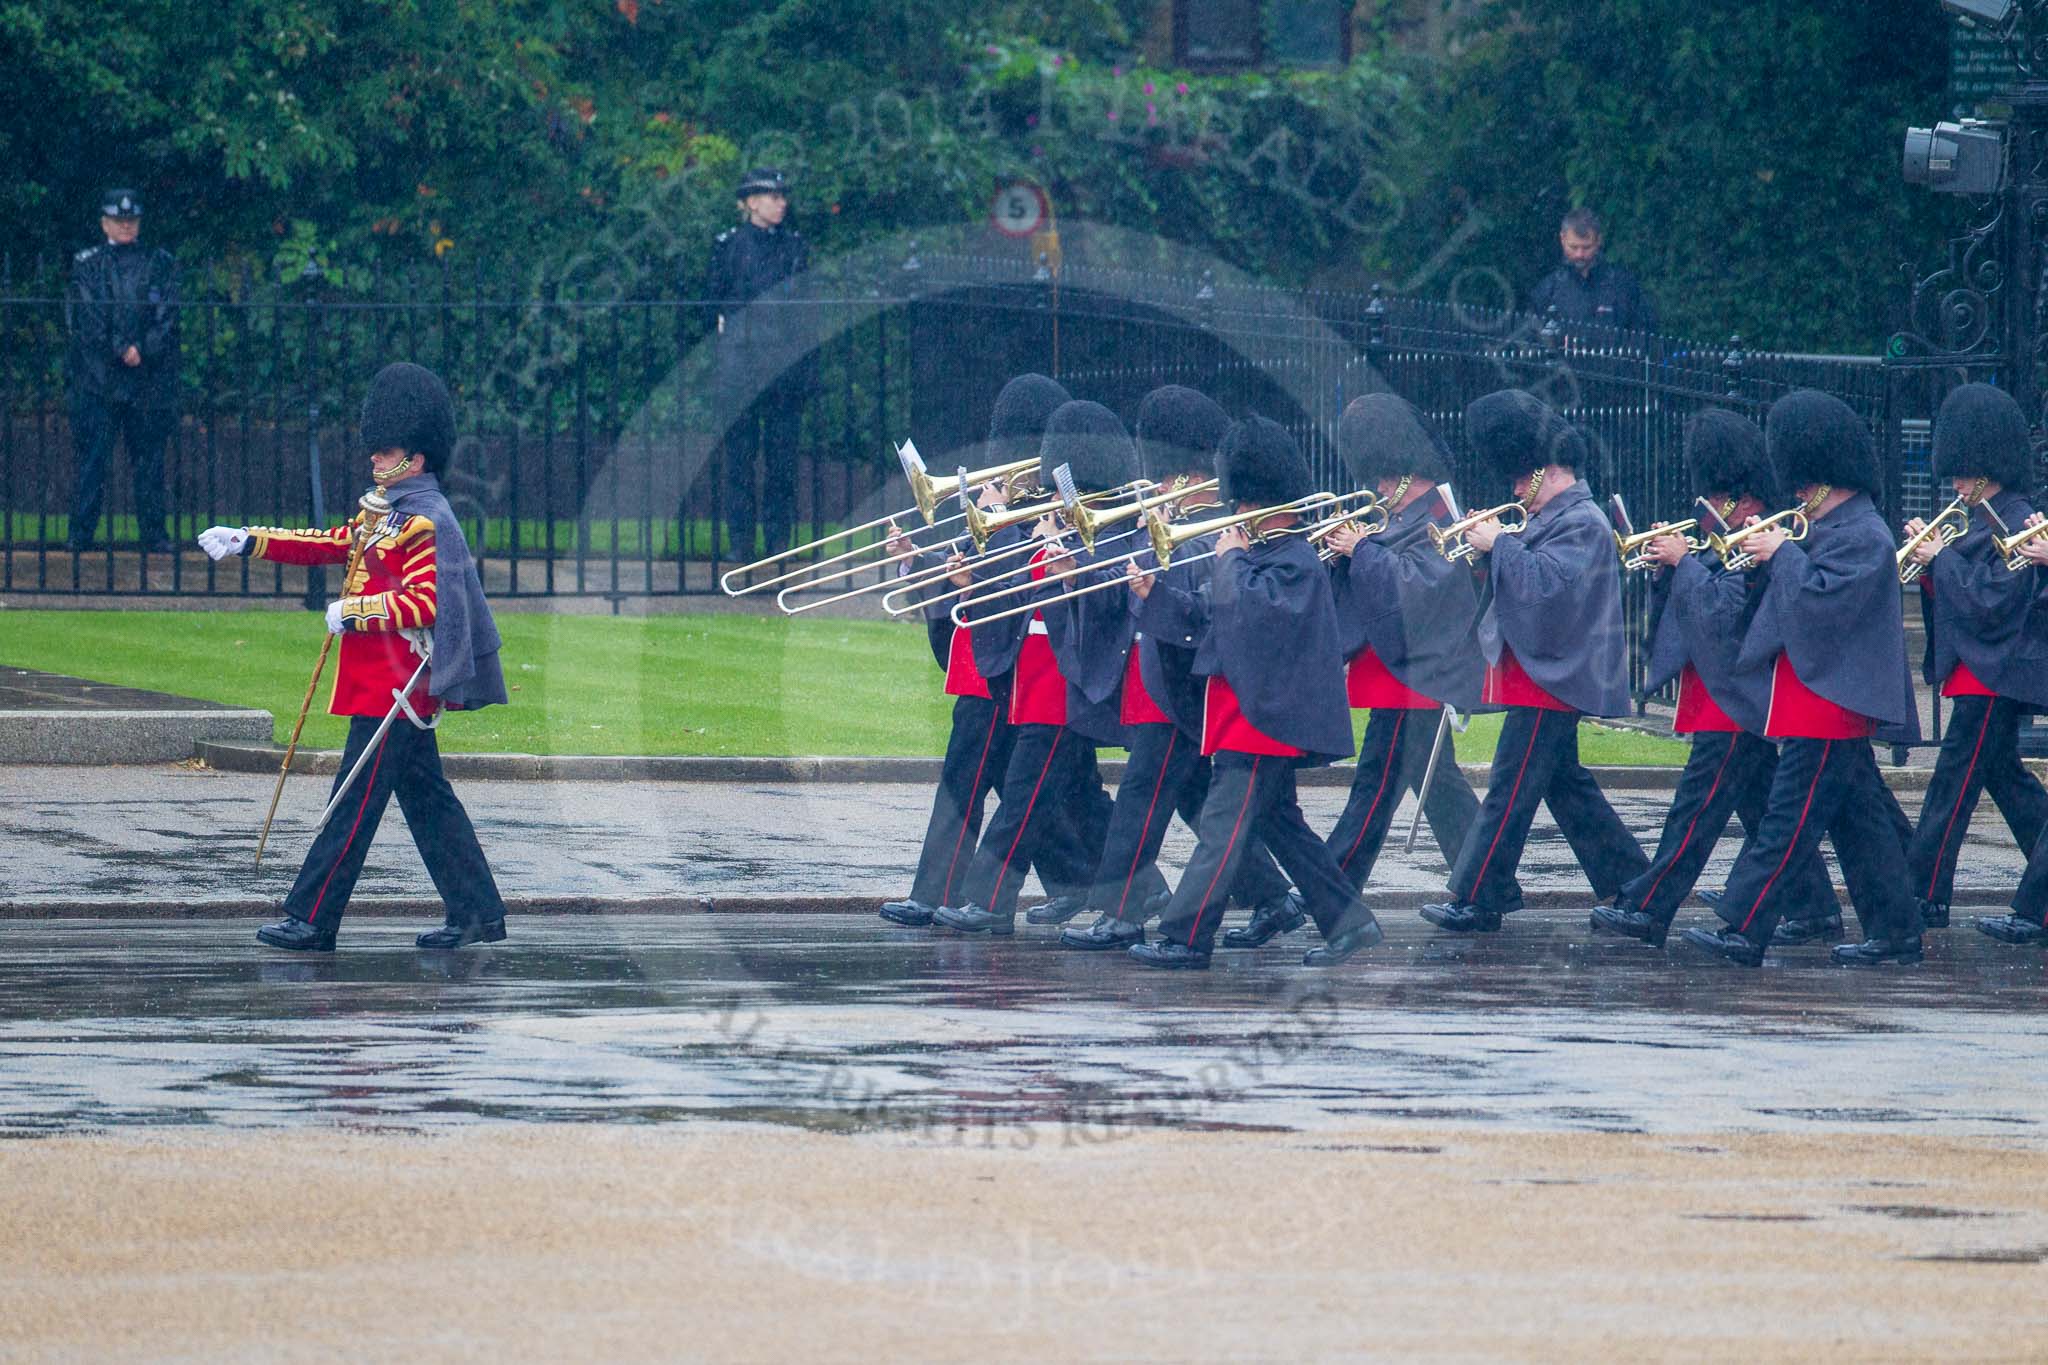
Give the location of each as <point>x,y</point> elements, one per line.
<point>121,204</point>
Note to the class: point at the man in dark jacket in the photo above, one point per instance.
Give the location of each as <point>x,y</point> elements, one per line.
<point>1265,630</point>
<point>1831,632</point>
<point>1550,627</point>
<point>123,369</point>
<point>766,360</point>
<point>1987,649</point>
<point>1700,611</point>
<point>1588,290</point>
<point>1407,617</point>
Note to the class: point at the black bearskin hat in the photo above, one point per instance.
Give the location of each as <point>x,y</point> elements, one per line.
<point>1178,431</point>
<point>1089,440</point>
<point>1982,434</point>
<point>1384,436</point>
<point>1724,453</point>
<point>1261,465</point>
<point>1814,438</point>
<point>1513,432</point>
<point>408,406</point>
<point>1019,417</point>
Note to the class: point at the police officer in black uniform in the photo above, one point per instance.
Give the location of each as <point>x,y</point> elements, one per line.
<point>1588,289</point>
<point>123,368</point>
<point>766,359</point>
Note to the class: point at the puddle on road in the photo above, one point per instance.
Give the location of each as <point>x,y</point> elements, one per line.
<point>835,1024</point>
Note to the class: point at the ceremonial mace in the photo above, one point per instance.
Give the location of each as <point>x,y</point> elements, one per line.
<point>374,508</point>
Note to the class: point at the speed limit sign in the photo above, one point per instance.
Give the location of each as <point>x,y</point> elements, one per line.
<point>1019,209</point>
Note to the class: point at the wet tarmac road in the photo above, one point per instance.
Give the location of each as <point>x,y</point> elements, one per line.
<point>841,1023</point>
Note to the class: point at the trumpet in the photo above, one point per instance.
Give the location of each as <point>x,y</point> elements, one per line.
<point>1729,546</point>
<point>926,493</point>
<point>2012,548</point>
<point>1950,525</point>
<point>1450,540</point>
<point>1635,549</point>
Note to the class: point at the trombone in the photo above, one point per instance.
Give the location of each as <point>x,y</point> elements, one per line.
<point>1088,523</point>
<point>1950,525</point>
<point>926,492</point>
<point>1076,511</point>
<point>1167,539</point>
<point>1729,546</point>
<point>1450,540</point>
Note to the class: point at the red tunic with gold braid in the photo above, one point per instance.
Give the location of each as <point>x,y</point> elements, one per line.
<point>392,589</point>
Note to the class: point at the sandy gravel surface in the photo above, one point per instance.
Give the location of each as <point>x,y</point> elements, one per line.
<point>754,1243</point>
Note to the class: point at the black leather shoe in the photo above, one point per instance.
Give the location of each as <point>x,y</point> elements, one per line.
<point>1823,929</point>
<point>1710,897</point>
<point>462,935</point>
<point>1934,914</point>
<point>1058,910</point>
<point>1172,956</point>
<point>297,935</point>
<point>1462,919</point>
<point>2011,929</point>
<point>1878,952</point>
<point>972,919</point>
<point>1107,932</point>
<point>1267,923</point>
<point>909,914</point>
<point>1630,922</point>
<point>1726,943</point>
<point>1357,933</point>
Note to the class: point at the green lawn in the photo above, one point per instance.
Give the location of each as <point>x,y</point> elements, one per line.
<point>713,684</point>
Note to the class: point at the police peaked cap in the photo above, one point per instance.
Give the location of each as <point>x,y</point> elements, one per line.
<point>1725,453</point>
<point>1384,436</point>
<point>1260,464</point>
<point>762,180</point>
<point>1982,434</point>
<point>1513,432</point>
<point>1022,409</point>
<point>121,204</point>
<point>1178,431</point>
<point>1815,438</point>
<point>408,406</point>
<point>1089,440</point>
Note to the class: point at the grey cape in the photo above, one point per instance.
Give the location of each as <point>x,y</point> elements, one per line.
<point>1556,601</point>
<point>465,674</point>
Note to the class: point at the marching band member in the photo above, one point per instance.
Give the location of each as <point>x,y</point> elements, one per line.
<point>1551,630</point>
<point>1266,636</point>
<point>1700,611</point>
<point>1063,702</point>
<point>2030,898</point>
<point>411,579</point>
<point>1983,650</point>
<point>1178,431</point>
<point>1830,630</point>
<point>978,745</point>
<point>1406,615</point>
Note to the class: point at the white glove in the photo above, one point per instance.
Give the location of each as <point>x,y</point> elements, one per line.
<point>334,618</point>
<point>221,541</point>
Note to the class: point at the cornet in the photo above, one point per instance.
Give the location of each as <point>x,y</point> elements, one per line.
<point>2010,547</point>
<point>1951,524</point>
<point>1370,518</point>
<point>1450,540</point>
<point>1635,549</point>
<point>1729,547</point>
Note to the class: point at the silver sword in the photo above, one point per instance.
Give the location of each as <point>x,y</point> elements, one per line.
<point>1443,721</point>
<point>376,740</point>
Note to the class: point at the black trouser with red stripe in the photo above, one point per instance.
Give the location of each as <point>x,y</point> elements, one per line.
<point>1048,817</point>
<point>407,764</point>
<point>1166,773</point>
<point>2030,901</point>
<point>1979,753</point>
<point>977,753</point>
<point>1826,786</point>
<point>1252,799</point>
<point>1392,761</point>
<point>1728,773</point>
<point>1537,762</point>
